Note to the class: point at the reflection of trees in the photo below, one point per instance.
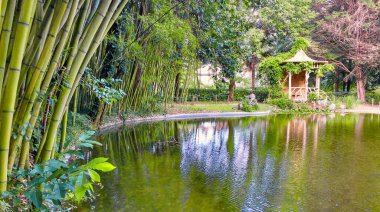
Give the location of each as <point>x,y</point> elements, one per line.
<point>278,162</point>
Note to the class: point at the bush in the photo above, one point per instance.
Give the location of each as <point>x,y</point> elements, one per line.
<point>247,107</point>
<point>312,97</point>
<point>282,103</point>
<point>373,96</point>
<point>276,94</point>
<point>351,101</point>
<point>261,94</point>
<point>222,95</point>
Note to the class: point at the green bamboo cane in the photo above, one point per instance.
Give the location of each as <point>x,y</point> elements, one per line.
<point>63,131</point>
<point>4,7</point>
<point>75,106</point>
<point>33,88</point>
<point>97,42</point>
<point>46,54</point>
<point>46,83</point>
<point>24,154</point>
<point>4,42</point>
<point>67,86</point>
<point>9,97</point>
<point>35,49</point>
<point>52,66</point>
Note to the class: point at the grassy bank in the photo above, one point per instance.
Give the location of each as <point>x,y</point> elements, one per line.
<point>210,107</point>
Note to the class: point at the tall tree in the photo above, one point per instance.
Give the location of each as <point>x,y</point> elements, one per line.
<point>351,30</point>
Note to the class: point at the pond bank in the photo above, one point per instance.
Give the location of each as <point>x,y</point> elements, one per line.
<point>119,123</point>
<point>363,108</point>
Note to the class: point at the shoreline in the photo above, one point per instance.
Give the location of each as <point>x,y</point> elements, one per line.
<point>185,116</point>
<point>110,126</point>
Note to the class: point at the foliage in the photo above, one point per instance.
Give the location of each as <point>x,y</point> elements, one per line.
<point>312,96</point>
<point>283,103</point>
<point>48,186</point>
<point>349,101</point>
<point>103,89</point>
<point>248,107</point>
<point>272,68</point>
<point>373,96</point>
<point>204,94</point>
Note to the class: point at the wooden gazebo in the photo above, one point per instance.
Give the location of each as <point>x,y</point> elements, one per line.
<point>297,85</point>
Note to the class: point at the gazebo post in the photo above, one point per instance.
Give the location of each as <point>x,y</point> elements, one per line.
<point>306,84</point>
<point>290,85</point>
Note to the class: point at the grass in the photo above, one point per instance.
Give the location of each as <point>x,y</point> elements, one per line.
<point>211,107</point>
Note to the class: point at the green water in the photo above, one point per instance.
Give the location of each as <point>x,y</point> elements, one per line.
<point>276,163</point>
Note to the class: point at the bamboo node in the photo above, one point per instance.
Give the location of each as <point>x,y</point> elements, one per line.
<point>101,14</point>
<point>14,69</point>
<point>23,23</point>
<point>51,35</point>
<point>82,51</point>
<point>8,111</point>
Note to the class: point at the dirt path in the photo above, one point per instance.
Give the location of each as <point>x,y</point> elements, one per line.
<point>364,108</point>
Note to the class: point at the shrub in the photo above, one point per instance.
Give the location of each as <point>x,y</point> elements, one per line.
<point>373,96</point>
<point>247,107</point>
<point>312,97</point>
<point>222,94</point>
<point>351,101</point>
<point>261,94</point>
<point>282,103</point>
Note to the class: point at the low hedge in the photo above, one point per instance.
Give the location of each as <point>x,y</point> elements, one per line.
<point>372,96</point>
<point>204,94</point>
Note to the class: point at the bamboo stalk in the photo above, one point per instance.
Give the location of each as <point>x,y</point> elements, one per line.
<point>66,88</point>
<point>32,116</point>
<point>9,97</point>
<point>63,131</point>
<point>4,42</point>
<point>24,113</point>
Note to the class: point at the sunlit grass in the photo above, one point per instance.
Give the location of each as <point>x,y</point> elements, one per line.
<point>211,107</point>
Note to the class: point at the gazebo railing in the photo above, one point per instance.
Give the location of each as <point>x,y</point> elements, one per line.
<point>300,93</point>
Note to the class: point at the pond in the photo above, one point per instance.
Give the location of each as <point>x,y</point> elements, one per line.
<point>277,162</point>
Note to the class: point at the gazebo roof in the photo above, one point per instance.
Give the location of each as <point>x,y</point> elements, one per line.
<point>302,57</point>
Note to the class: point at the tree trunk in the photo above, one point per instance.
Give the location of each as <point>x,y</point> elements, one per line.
<point>336,81</point>
<point>348,88</point>
<point>253,66</point>
<point>176,89</point>
<point>360,83</point>
<point>231,90</point>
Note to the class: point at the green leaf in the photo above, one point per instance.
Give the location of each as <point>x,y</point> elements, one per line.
<point>86,145</point>
<point>94,175</point>
<point>105,167</point>
<point>36,197</point>
<point>94,142</point>
<point>93,162</point>
<point>80,192</point>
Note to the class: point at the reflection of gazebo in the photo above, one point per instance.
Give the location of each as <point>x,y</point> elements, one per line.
<point>296,85</point>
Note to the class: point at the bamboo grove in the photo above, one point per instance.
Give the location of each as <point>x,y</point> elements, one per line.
<point>45,49</point>
<point>149,55</point>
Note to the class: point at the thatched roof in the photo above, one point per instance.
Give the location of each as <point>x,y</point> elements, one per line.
<point>302,57</point>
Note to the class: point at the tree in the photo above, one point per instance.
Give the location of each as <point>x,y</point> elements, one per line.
<point>222,29</point>
<point>351,30</point>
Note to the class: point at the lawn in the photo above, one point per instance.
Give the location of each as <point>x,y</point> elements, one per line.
<point>210,107</point>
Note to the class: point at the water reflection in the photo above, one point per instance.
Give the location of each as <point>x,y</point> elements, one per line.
<point>278,162</point>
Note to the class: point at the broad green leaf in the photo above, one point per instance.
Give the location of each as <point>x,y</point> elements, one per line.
<point>36,197</point>
<point>94,175</point>
<point>105,167</point>
<point>93,162</point>
<point>94,142</point>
